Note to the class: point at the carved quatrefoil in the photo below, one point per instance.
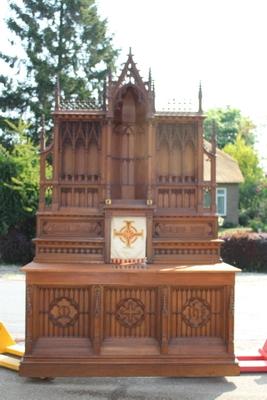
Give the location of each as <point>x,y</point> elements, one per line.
<point>196,312</point>
<point>63,312</point>
<point>130,312</point>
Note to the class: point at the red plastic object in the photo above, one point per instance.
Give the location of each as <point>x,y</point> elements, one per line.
<point>254,363</point>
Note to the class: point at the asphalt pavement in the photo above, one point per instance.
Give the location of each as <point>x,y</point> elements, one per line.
<point>250,334</point>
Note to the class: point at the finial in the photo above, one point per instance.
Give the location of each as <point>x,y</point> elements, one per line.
<point>57,94</point>
<point>200,110</point>
<point>42,134</point>
<point>130,51</point>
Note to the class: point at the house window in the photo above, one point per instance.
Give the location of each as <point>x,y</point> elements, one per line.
<point>221,201</point>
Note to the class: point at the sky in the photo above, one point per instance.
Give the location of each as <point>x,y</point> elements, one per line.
<point>222,43</point>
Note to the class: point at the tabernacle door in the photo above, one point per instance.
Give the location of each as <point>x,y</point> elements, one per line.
<point>128,238</point>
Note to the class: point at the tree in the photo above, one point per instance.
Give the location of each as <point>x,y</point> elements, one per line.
<point>19,180</point>
<point>229,123</point>
<point>64,38</point>
<point>253,193</point>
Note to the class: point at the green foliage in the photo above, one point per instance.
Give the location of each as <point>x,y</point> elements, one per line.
<point>229,123</point>
<point>247,159</point>
<point>247,251</point>
<point>64,38</point>
<point>253,192</point>
<point>19,177</point>
<point>235,135</point>
<point>258,225</point>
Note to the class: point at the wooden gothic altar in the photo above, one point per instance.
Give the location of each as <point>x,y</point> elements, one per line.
<point>127,279</point>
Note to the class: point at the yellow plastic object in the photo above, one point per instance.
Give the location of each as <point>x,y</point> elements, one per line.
<point>9,362</point>
<point>6,339</point>
<point>9,346</point>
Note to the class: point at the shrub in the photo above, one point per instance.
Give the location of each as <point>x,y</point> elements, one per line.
<point>258,225</point>
<point>247,251</point>
<point>16,248</point>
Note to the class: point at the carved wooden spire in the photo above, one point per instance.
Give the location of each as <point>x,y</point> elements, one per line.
<point>200,110</point>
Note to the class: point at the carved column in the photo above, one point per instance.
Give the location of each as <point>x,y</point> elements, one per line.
<point>149,245</point>
<point>107,235</point>
<point>29,319</point>
<point>213,183</point>
<point>97,312</point>
<point>230,311</point>
<point>103,126</point>
<point>108,159</point>
<point>149,161</point>
<point>55,202</point>
<point>200,161</point>
<point>164,319</point>
<point>131,155</point>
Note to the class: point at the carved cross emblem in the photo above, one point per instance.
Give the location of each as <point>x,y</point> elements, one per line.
<point>128,234</point>
<point>130,312</point>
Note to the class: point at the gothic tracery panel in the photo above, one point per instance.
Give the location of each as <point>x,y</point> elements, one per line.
<point>64,312</point>
<point>197,312</point>
<point>130,312</point>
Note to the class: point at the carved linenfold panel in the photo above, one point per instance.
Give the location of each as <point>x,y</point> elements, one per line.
<point>64,228</point>
<point>130,312</point>
<point>64,312</point>
<point>183,229</point>
<point>197,312</point>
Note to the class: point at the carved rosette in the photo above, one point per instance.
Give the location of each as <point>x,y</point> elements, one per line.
<point>130,312</point>
<point>196,312</point>
<point>63,312</point>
